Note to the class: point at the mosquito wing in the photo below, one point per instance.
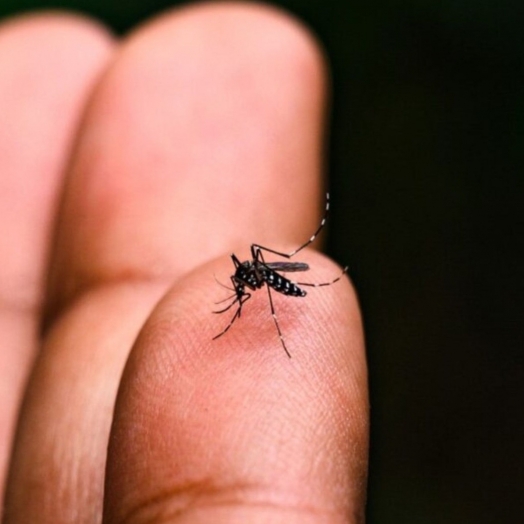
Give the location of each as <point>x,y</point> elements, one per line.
<point>288,267</point>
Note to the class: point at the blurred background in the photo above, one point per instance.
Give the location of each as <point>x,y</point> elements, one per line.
<point>426,148</point>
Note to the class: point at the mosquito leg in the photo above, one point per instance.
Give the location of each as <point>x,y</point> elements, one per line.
<point>227,307</point>
<point>223,285</point>
<point>235,316</point>
<point>273,314</point>
<point>344,271</point>
<point>241,302</point>
<point>256,248</point>
<point>239,294</point>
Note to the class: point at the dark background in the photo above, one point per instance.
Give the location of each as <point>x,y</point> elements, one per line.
<point>427,189</point>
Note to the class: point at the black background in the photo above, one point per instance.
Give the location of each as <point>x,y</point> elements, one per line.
<point>427,187</point>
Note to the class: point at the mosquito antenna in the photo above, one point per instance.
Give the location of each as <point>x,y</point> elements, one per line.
<point>225,300</point>
<point>223,285</point>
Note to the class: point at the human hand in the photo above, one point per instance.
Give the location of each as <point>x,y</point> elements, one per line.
<point>202,136</point>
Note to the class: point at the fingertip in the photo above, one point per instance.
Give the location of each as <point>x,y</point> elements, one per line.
<point>43,89</point>
<point>234,418</point>
<point>37,30</point>
<point>261,28</point>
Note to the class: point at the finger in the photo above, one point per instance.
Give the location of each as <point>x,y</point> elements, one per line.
<point>185,152</point>
<point>232,430</point>
<point>43,87</point>
<point>198,141</point>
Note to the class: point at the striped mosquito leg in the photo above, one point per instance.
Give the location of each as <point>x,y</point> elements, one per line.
<point>322,284</point>
<point>237,314</point>
<point>273,314</point>
<point>255,248</point>
<point>317,232</point>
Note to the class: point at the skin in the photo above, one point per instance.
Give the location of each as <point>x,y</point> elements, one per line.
<point>128,178</point>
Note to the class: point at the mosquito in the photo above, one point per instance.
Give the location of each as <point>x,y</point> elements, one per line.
<point>255,273</point>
